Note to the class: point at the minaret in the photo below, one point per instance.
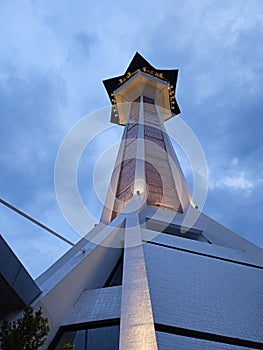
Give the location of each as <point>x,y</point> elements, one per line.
<point>144,279</point>
<point>143,99</point>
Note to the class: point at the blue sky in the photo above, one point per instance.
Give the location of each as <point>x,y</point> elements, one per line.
<point>53,58</point>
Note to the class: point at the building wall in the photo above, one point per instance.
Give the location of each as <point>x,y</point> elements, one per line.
<point>205,294</point>
<point>95,305</point>
<point>74,274</point>
<point>168,341</point>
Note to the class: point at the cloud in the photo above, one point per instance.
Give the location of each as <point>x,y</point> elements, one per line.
<point>233,181</point>
<point>31,102</point>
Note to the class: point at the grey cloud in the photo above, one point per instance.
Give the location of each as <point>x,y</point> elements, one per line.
<point>30,103</point>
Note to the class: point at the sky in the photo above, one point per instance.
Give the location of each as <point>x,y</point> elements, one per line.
<point>53,58</point>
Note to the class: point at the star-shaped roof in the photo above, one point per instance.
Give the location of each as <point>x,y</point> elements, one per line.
<point>139,63</point>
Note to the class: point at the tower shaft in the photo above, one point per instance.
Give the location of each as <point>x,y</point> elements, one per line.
<point>144,166</point>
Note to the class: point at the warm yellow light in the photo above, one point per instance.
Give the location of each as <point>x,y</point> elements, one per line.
<point>139,187</point>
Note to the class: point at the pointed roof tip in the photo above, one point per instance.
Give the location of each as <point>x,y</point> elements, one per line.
<point>137,53</point>
<point>137,62</point>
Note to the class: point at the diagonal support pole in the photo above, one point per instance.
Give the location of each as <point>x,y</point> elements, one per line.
<point>44,227</point>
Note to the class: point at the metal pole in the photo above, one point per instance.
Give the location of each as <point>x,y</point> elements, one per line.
<point>41,225</point>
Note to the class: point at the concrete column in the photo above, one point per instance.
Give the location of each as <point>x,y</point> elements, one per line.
<point>137,325</point>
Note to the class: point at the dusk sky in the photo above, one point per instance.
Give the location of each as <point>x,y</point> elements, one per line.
<point>53,58</point>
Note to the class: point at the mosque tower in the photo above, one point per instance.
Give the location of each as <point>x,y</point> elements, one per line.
<point>147,279</point>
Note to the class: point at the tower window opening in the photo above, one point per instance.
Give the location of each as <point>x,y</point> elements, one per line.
<point>176,230</point>
<point>115,277</point>
<point>93,336</point>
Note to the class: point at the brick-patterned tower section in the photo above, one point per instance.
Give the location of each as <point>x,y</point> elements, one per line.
<point>158,173</point>
<point>125,187</point>
<point>143,98</point>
